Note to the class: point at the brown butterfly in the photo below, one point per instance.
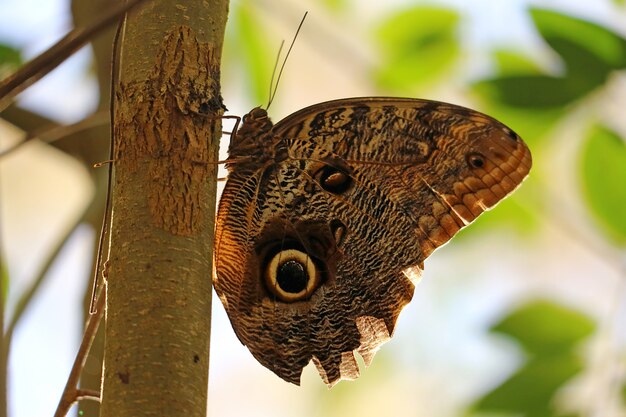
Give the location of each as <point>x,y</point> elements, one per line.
<point>328,215</point>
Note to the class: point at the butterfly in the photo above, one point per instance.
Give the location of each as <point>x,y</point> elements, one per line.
<point>328,215</point>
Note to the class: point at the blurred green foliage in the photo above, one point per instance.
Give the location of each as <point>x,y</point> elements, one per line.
<point>511,214</point>
<point>603,175</point>
<point>254,50</point>
<point>589,53</point>
<point>531,123</point>
<point>418,46</point>
<point>549,335</point>
<point>10,60</point>
<point>574,38</point>
<point>543,328</point>
<point>335,5</point>
<point>532,101</point>
<point>514,63</point>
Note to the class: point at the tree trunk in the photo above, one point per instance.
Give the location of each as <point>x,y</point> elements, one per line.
<point>166,135</point>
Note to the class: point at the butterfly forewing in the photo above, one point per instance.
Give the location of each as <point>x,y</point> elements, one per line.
<point>417,152</point>
<point>357,190</point>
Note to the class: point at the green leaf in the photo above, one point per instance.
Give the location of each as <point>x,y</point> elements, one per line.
<point>590,53</point>
<point>533,91</point>
<point>532,124</point>
<point>549,333</point>
<point>529,392</point>
<point>581,64</point>
<point>543,328</point>
<point>10,60</point>
<point>418,46</point>
<point>514,63</point>
<point>561,32</point>
<point>603,172</point>
<point>8,54</point>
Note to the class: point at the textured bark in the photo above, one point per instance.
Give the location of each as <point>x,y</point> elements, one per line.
<point>167,131</point>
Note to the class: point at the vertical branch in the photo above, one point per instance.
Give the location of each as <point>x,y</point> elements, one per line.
<point>166,135</point>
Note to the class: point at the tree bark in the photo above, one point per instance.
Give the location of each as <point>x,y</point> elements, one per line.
<point>166,135</point>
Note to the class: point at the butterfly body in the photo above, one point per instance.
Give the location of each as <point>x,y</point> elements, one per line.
<point>324,213</point>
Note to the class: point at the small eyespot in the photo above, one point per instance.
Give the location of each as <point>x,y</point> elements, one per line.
<point>511,134</point>
<point>338,229</point>
<point>333,180</point>
<point>476,160</point>
<point>291,275</point>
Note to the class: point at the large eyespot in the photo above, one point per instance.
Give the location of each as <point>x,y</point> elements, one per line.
<point>291,275</point>
<point>333,180</point>
<point>476,160</point>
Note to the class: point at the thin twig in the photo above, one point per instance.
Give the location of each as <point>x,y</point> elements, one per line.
<point>71,393</point>
<point>107,204</point>
<point>87,394</point>
<point>34,70</point>
<point>55,132</point>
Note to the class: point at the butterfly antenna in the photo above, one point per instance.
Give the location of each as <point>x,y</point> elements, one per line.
<point>282,67</point>
<point>270,97</point>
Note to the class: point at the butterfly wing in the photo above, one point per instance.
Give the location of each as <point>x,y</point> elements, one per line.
<point>319,240</point>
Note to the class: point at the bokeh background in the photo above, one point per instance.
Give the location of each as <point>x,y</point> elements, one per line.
<point>522,314</point>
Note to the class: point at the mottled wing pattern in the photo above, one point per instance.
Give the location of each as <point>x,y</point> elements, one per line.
<point>365,188</point>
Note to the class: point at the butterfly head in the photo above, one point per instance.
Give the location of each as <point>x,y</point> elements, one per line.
<point>256,122</point>
<point>256,115</point>
<point>253,139</point>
